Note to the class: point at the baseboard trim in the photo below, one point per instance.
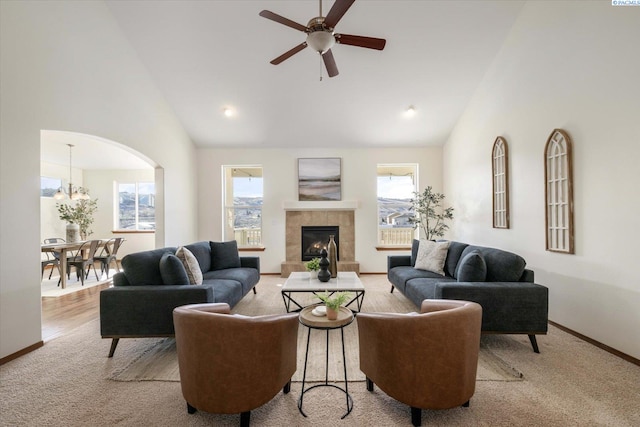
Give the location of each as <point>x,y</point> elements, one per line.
<point>22,352</point>
<point>598,344</point>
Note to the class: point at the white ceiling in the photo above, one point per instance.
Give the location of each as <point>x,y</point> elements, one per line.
<point>205,55</point>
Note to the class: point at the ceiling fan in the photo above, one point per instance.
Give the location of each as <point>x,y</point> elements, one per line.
<point>320,35</point>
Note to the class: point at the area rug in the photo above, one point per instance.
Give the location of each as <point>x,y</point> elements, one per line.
<point>157,360</point>
<point>50,288</point>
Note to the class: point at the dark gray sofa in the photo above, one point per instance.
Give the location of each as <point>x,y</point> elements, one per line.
<point>141,303</point>
<point>511,302</point>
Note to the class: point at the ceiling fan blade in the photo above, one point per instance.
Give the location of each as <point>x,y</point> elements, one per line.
<point>288,54</point>
<point>282,20</point>
<point>330,63</point>
<point>361,41</point>
<point>337,11</point>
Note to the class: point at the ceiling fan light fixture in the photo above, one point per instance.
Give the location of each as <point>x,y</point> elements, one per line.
<point>321,41</point>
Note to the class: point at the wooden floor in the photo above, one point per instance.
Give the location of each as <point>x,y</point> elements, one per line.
<point>64,313</point>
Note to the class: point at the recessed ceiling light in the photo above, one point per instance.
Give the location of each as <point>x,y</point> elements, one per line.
<point>228,112</point>
<point>410,111</point>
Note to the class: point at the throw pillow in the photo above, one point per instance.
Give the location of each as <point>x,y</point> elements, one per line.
<point>431,256</point>
<point>190,263</point>
<point>224,255</point>
<point>472,268</point>
<point>172,270</point>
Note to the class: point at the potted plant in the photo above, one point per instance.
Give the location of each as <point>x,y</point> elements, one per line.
<point>429,213</point>
<point>313,266</point>
<point>80,215</point>
<point>333,301</point>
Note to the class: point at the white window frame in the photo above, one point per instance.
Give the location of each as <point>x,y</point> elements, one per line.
<point>395,236</point>
<point>558,176</point>
<point>500,170</point>
<point>246,237</point>
<point>116,205</point>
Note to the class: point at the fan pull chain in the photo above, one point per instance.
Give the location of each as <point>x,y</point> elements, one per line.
<point>320,67</point>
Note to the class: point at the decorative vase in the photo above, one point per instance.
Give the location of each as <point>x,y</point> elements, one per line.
<point>323,274</point>
<point>332,314</point>
<point>333,256</point>
<point>73,233</point>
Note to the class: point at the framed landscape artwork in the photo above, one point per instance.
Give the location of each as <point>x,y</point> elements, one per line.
<point>320,179</point>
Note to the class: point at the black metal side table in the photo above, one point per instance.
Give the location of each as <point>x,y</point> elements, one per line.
<point>345,318</point>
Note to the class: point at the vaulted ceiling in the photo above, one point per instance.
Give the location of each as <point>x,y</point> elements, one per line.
<point>207,55</point>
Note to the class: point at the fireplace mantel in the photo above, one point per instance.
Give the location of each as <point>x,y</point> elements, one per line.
<point>342,205</point>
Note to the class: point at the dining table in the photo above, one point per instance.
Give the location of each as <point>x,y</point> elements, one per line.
<point>62,249</point>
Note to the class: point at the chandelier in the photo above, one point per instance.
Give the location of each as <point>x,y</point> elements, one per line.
<point>74,193</point>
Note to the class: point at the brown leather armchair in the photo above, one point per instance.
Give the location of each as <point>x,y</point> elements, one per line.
<point>426,360</point>
<point>232,364</point>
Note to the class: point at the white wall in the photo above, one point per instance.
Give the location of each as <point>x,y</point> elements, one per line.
<point>66,66</point>
<point>359,182</point>
<point>575,66</point>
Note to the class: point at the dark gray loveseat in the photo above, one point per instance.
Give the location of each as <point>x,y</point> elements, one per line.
<point>141,303</point>
<point>511,302</point>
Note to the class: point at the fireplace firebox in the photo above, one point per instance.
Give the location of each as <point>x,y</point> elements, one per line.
<point>316,238</point>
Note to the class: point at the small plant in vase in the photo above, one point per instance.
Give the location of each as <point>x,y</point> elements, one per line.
<point>333,301</point>
<point>313,267</point>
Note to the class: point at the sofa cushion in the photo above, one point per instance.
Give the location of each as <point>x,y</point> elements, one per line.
<point>224,255</point>
<point>143,268</point>
<point>502,266</point>
<point>248,277</point>
<point>202,252</point>
<point>453,257</point>
<point>191,265</point>
<point>172,270</point>
<point>229,291</point>
<point>472,268</point>
<point>400,275</point>
<point>431,256</point>
<point>414,251</point>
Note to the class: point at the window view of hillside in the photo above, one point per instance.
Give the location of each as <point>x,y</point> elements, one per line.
<point>136,206</point>
<point>396,187</point>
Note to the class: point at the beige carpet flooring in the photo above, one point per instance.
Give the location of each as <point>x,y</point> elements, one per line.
<point>571,383</point>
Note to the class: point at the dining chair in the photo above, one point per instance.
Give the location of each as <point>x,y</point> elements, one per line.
<point>108,254</point>
<point>53,258</point>
<point>83,258</point>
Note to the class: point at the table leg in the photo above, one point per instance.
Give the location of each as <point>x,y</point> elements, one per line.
<point>63,268</point>
<point>304,374</point>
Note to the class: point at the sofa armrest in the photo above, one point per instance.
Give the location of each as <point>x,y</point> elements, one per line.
<point>398,260</point>
<point>250,262</point>
<point>527,276</point>
<point>119,279</point>
<point>146,310</point>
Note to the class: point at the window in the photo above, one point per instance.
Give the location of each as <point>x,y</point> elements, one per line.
<point>500,183</point>
<point>243,196</point>
<point>136,206</point>
<point>396,188</point>
<point>49,186</point>
<point>558,193</point>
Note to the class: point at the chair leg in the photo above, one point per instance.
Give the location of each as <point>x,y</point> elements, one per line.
<point>287,387</point>
<point>534,343</point>
<point>369,384</point>
<point>114,344</point>
<point>466,404</point>
<point>191,409</point>
<point>416,416</point>
<point>245,419</point>
<point>94,271</point>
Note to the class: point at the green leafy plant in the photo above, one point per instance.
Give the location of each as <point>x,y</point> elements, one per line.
<point>81,213</point>
<point>429,214</point>
<point>313,265</point>
<point>334,300</point>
